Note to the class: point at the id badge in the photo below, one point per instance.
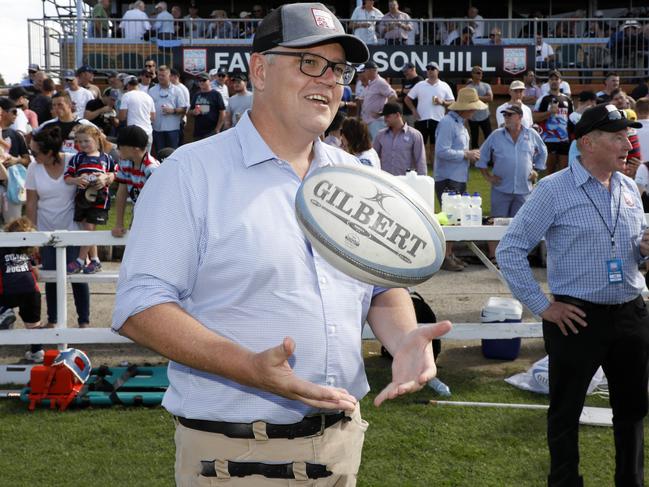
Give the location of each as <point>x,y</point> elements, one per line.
<point>614,271</point>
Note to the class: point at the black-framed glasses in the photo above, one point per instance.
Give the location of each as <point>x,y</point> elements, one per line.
<point>314,65</point>
<point>221,75</point>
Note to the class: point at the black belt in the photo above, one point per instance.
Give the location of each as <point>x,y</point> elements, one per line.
<point>271,471</point>
<point>309,426</point>
<point>581,303</point>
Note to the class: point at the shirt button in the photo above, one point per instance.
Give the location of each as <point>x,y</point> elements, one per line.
<point>332,329</point>
<point>331,381</point>
<point>323,280</point>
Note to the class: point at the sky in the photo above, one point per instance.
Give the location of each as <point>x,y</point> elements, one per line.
<point>14,57</point>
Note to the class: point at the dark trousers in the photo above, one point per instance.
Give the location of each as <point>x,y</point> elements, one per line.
<point>616,338</point>
<point>80,290</point>
<point>168,138</point>
<point>474,129</point>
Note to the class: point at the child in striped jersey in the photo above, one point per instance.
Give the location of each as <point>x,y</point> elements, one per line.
<point>135,167</point>
<point>92,170</point>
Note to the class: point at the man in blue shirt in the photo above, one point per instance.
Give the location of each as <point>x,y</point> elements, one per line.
<point>453,156</point>
<point>517,153</point>
<point>592,219</point>
<point>264,336</point>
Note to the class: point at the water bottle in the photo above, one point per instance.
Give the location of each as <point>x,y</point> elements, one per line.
<point>451,208</point>
<point>476,202</point>
<point>445,201</point>
<point>439,387</point>
<point>465,210</point>
<point>457,208</point>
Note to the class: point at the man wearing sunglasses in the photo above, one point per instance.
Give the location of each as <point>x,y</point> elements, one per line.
<point>591,217</point>
<point>263,335</point>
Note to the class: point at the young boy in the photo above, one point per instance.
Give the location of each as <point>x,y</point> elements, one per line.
<point>135,167</point>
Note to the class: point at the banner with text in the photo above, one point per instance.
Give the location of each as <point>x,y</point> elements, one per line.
<point>454,61</point>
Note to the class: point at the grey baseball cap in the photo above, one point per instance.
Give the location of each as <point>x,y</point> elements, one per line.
<point>305,25</point>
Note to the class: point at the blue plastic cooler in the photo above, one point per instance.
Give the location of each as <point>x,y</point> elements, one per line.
<point>501,310</point>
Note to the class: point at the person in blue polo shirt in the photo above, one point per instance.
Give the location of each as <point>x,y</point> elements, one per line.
<point>517,154</point>
<point>593,223</point>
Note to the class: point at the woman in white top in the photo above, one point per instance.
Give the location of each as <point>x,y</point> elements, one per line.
<point>356,140</point>
<point>50,206</point>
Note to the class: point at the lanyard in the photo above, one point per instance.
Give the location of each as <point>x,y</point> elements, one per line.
<point>617,217</point>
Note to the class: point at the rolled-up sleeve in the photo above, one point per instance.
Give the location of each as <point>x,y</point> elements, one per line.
<point>444,142</point>
<point>166,241</point>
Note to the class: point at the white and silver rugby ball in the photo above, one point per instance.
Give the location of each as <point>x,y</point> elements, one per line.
<point>370,225</point>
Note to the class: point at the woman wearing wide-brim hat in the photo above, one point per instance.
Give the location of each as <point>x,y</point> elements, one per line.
<point>453,156</point>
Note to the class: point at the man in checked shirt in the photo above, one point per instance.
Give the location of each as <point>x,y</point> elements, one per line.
<point>592,219</point>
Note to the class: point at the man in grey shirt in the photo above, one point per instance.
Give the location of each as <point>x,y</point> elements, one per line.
<point>171,106</point>
<point>480,119</point>
<point>240,101</point>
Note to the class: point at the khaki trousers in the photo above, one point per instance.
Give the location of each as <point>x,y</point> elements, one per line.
<point>339,448</point>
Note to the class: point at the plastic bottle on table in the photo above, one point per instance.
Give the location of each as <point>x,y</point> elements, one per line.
<point>465,210</point>
<point>476,202</point>
<point>451,208</point>
<point>439,387</point>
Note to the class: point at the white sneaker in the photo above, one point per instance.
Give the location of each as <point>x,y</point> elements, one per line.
<point>36,357</point>
<point>7,319</point>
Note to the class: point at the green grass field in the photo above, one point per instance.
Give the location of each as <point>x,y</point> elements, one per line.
<point>407,444</point>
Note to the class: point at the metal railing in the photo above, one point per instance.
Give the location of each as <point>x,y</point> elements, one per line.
<point>587,47</point>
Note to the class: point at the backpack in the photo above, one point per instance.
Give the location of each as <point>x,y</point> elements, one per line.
<point>16,184</point>
<point>424,314</point>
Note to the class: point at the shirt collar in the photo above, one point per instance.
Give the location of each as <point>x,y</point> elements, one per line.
<point>255,150</point>
<point>581,175</point>
<point>456,116</point>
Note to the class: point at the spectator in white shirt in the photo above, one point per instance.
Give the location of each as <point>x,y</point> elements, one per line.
<point>364,20</point>
<point>544,53</point>
<point>137,108</point>
<point>642,174</point>
<point>164,21</point>
<point>79,95</point>
<point>477,22</point>
<point>135,23</point>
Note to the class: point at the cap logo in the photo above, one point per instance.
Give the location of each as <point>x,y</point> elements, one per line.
<point>323,19</point>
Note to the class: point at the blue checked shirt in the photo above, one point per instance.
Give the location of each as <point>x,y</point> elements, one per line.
<point>215,232</point>
<point>513,161</point>
<point>579,245</point>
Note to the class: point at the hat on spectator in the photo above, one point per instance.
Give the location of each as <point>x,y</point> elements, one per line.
<point>467,99</point>
<point>7,103</point>
<point>112,74</point>
<point>203,76</point>
<point>85,69</point>
<point>238,74</point>
<point>17,91</point>
<point>370,65</point>
<point>432,65</point>
<point>113,93</point>
<point>512,109</point>
<point>133,136</point>
<point>390,108</point>
<point>407,66</point>
<point>121,76</point>
<point>244,14</point>
<point>130,80</point>
<point>68,74</point>
<point>517,85</point>
<point>603,117</point>
<point>32,68</point>
<point>305,25</point>
<point>193,5</point>
<point>555,72</point>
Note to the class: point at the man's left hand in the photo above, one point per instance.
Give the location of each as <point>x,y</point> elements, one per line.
<point>413,364</point>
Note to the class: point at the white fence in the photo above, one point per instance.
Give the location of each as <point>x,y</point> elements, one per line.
<point>63,335</point>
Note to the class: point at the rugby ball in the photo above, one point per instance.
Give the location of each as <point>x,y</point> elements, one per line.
<point>370,225</point>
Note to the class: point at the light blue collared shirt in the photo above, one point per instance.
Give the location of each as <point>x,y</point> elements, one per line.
<point>513,161</point>
<point>579,245</point>
<point>451,140</point>
<point>215,231</point>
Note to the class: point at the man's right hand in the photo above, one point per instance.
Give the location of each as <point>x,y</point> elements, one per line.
<point>472,155</point>
<point>118,231</point>
<point>565,316</point>
<point>273,373</point>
